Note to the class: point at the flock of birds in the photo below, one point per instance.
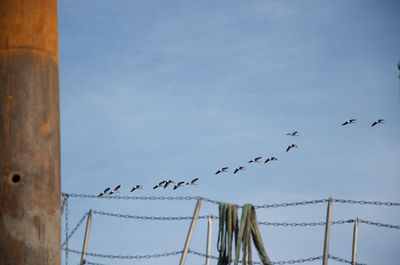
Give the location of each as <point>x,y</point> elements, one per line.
<point>165,183</point>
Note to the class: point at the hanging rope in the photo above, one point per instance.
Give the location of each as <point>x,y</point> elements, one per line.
<point>249,228</point>
<point>228,227</point>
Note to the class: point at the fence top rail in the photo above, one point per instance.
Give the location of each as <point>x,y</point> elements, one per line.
<point>273,205</point>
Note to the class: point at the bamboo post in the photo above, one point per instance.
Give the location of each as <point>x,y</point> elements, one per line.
<point>355,242</point>
<point>86,239</point>
<point>208,247</point>
<point>327,232</point>
<point>190,233</point>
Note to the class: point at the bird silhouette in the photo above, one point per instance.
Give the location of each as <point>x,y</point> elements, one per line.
<point>115,190</point>
<point>238,169</point>
<point>291,146</point>
<point>137,187</point>
<point>193,182</point>
<point>351,121</point>
<point>255,160</point>
<point>104,192</point>
<point>295,133</point>
<point>224,169</point>
<point>271,159</point>
<point>377,122</point>
<point>179,184</point>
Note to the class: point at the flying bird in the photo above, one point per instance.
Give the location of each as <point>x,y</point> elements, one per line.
<point>237,170</point>
<point>104,192</point>
<point>115,190</point>
<point>295,133</point>
<point>159,184</point>
<point>193,182</point>
<point>272,158</point>
<point>224,169</point>
<point>255,160</point>
<point>168,182</point>
<point>291,146</point>
<point>137,187</point>
<point>377,122</point>
<point>179,184</point>
<point>351,121</point>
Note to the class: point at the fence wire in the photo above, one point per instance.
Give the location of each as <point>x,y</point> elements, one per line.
<point>180,252</point>
<point>274,205</point>
<point>64,208</point>
<point>66,228</point>
<point>305,224</point>
<point>99,255</point>
<point>378,203</point>
<point>68,237</point>
<point>160,218</point>
<point>284,224</point>
<point>379,224</point>
<point>259,262</point>
<point>343,260</point>
<point>92,263</point>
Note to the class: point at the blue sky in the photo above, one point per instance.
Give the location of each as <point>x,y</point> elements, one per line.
<point>179,89</point>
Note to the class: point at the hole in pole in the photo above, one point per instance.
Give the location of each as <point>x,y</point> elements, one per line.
<point>16,178</point>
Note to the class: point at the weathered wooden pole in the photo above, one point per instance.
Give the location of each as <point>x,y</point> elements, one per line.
<point>30,228</point>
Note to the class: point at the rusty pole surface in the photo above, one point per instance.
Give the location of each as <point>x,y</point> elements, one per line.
<point>30,216</point>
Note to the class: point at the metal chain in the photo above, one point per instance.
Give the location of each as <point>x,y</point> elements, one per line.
<point>171,218</point>
<point>75,228</point>
<point>92,263</point>
<point>305,224</point>
<point>153,198</point>
<point>166,254</point>
<point>367,202</point>
<point>379,224</point>
<point>167,218</point>
<point>344,260</point>
<point>286,204</point>
<point>259,262</point>
<point>66,228</point>
<point>296,261</point>
<point>64,199</point>
<point>275,205</point>
<point>201,254</point>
